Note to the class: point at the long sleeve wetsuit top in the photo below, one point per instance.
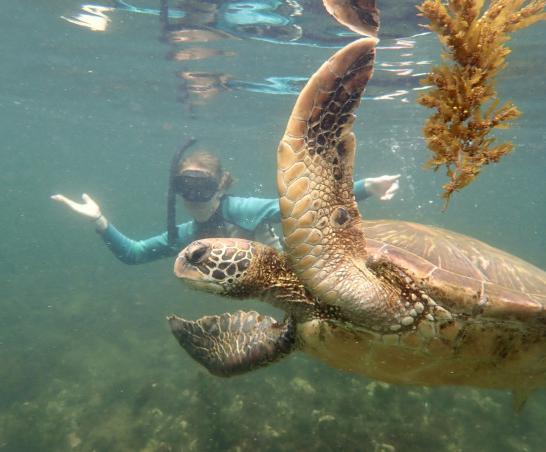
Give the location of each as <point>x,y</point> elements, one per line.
<point>248,218</point>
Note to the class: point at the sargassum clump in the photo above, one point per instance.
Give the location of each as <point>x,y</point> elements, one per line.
<point>462,89</point>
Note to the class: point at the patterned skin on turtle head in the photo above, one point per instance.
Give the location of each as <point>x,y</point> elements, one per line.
<point>240,268</point>
<point>215,265</point>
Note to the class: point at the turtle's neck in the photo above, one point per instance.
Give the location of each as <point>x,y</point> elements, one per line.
<point>270,279</point>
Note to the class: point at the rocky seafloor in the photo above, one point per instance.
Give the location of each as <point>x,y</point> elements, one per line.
<point>123,384</point>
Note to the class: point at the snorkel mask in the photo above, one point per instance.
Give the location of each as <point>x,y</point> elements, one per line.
<point>196,186</point>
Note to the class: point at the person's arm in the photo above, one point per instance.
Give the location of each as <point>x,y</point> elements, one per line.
<point>132,252</point>
<point>125,249</point>
<point>359,190</point>
<point>248,213</point>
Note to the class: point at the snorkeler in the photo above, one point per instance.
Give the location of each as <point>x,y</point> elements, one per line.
<point>201,182</point>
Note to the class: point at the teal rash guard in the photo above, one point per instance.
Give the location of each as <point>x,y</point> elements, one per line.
<point>247,215</point>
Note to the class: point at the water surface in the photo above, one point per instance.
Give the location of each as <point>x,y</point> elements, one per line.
<point>88,363</point>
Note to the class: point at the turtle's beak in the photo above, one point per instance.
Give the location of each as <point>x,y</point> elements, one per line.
<point>189,266</point>
<point>188,273</point>
<point>184,269</point>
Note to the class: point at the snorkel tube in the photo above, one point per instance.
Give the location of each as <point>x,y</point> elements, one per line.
<point>172,231</point>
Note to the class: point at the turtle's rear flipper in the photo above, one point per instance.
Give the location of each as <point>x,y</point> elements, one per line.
<point>232,344</point>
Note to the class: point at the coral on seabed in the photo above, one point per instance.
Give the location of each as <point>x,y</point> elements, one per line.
<point>463,88</point>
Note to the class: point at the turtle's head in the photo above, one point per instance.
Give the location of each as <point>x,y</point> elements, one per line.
<point>222,266</point>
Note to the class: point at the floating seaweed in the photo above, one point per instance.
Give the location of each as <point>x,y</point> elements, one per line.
<point>463,87</point>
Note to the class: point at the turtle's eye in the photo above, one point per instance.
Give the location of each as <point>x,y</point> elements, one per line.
<point>197,253</point>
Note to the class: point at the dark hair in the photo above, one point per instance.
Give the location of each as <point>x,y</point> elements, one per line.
<point>202,159</point>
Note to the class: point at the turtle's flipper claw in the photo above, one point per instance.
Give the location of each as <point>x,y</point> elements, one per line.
<point>232,344</point>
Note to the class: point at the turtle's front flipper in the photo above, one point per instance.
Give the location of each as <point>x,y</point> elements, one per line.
<point>232,344</point>
<point>323,232</point>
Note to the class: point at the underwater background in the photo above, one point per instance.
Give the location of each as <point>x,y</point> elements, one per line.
<point>87,361</point>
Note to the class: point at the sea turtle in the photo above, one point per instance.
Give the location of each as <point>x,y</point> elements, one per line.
<point>396,301</point>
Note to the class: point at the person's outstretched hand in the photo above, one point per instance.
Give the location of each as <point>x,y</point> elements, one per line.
<point>88,208</point>
<point>383,187</point>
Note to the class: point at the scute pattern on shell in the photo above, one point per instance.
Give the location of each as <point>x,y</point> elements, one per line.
<point>461,273</point>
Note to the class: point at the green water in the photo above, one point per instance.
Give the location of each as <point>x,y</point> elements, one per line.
<point>87,360</point>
